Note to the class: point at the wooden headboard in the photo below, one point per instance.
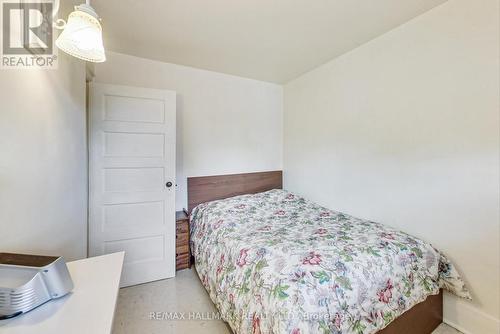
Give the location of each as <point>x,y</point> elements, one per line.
<point>210,188</point>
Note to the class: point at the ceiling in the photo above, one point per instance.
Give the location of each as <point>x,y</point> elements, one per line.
<point>269,40</point>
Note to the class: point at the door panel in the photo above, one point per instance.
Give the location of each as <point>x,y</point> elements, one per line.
<point>133,179</point>
<point>126,109</point>
<point>139,250</point>
<point>132,157</point>
<point>121,144</point>
<point>121,216</point>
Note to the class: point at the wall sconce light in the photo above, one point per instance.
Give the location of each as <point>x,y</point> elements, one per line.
<point>82,34</point>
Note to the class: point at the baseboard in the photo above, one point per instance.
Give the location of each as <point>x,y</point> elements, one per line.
<point>458,313</point>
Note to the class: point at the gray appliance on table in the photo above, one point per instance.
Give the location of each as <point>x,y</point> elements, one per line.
<point>28,281</point>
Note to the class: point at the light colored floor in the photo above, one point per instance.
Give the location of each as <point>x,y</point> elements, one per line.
<point>183,294</point>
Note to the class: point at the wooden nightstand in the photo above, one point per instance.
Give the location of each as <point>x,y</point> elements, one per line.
<point>182,251</point>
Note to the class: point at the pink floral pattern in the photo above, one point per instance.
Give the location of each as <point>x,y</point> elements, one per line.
<point>313,259</point>
<point>276,263</point>
<point>385,294</point>
<point>242,260</point>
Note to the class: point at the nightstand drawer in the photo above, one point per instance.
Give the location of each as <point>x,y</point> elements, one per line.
<point>182,226</point>
<point>182,251</point>
<point>182,239</point>
<point>183,260</point>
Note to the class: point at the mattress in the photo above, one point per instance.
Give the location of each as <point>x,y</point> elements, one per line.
<point>275,262</point>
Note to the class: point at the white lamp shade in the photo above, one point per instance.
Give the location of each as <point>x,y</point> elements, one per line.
<point>82,36</point>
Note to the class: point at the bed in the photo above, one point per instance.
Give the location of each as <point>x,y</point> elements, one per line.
<point>275,262</point>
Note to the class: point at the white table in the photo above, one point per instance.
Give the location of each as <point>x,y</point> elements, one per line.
<point>88,309</point>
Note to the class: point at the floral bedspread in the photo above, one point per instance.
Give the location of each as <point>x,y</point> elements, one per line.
<point>275,262</point>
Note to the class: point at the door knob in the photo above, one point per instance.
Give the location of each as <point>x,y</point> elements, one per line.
<point>169,184</point>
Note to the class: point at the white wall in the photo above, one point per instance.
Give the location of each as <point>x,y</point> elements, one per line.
<point>43,162</point>
<point>225,124</point>
<point>404,130</point>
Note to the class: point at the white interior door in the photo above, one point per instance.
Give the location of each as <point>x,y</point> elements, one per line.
<point>132,179</point>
